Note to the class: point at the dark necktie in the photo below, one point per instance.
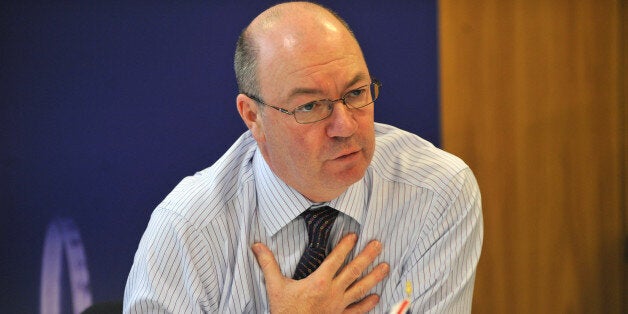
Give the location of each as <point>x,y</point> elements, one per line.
<point>318,223</point>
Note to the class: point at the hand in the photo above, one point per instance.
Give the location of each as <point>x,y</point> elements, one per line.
<point>323,291</point>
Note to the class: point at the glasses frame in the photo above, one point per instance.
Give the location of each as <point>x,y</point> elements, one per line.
<point>374,81</point>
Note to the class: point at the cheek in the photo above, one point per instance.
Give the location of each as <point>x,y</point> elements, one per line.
<point>290,146</point>
<point>304,148</point>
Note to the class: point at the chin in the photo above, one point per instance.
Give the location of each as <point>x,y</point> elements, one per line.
<point>348,177</point>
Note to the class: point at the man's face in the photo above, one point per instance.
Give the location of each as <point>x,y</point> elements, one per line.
<point>322,159</point>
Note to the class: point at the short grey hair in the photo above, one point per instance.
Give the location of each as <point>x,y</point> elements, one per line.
<point>245,64</point>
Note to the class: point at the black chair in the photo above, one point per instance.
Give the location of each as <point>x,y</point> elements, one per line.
<point>108,307</point>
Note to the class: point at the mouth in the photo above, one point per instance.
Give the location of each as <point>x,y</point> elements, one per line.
<point>347,155</point>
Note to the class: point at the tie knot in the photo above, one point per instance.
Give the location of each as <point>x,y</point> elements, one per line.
<point>318,223</point>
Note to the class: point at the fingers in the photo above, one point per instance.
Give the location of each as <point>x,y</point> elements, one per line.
<point>363,306</point>
<point>337,256</point>
<point>268,264</point>
<point>337,291</point>
<point>360,288</point>
<point>355,268</point>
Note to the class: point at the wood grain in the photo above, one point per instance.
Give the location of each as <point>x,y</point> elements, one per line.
<point>533,99</point>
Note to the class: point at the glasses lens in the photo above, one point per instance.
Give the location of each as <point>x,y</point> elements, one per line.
<point>321,109</point>
<point>362,96</point>
<point>375,86</point>
<point>314,111</point>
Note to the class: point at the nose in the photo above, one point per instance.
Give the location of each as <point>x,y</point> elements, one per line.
<point>341,122</point>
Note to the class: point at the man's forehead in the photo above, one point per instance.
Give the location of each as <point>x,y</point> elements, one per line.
<point>297,52</point>
<point>358,78</point>
<point>324,68</point>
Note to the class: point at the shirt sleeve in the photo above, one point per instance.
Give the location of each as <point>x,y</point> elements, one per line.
<point>442,267</point>
<point>172,269</point>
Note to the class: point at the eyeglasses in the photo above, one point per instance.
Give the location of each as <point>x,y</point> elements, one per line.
<point>321,109</point>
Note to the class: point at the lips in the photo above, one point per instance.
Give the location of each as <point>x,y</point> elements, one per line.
<point>347,154</point>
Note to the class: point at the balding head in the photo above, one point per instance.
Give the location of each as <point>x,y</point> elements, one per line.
<point>289,25</point>
<point>289,56</point>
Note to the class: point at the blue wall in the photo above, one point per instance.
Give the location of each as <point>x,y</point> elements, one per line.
<point>107,105</point>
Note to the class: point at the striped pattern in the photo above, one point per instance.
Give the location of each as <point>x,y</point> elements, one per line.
<point>423,205</point>
<point>318,222</point>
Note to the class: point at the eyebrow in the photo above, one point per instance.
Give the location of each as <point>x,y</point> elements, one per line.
<point>313,91</point>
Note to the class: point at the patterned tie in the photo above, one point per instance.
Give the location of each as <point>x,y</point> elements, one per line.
<point>318,223</point>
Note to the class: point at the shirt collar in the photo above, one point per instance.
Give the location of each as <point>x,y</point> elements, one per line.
<point>354,201</point>
<point>279,203</point>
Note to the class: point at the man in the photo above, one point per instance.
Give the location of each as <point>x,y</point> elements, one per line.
<point>397,210</point>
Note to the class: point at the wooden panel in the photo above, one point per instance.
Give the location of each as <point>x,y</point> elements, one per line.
<point>624,91</point>
<point>532,98</point>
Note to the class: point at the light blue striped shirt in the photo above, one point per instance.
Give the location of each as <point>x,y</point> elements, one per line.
<point>420,202</point>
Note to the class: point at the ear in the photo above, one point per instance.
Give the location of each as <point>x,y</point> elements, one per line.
<point>251,115</point>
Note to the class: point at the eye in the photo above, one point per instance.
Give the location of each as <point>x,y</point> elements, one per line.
<point>356,93</point>
<point>307,107</point>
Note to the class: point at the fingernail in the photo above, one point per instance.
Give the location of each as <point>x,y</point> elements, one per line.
<point>385,269</point>
<point>377,244</point>
<point>353,237</point>
<point>257,248</point>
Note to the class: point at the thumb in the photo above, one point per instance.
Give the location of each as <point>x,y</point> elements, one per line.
<point>268,264</point>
